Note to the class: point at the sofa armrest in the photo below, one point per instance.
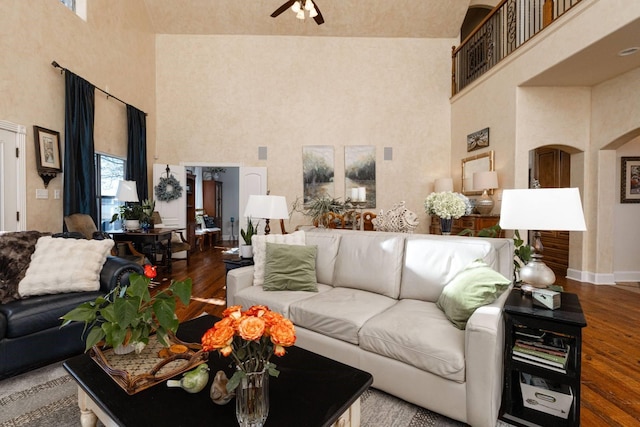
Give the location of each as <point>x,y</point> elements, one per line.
<point>237,280</point>
<point>116,271</point>
<point>484,353</point>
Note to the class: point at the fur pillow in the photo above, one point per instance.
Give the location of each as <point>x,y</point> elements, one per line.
<point>65,265</point>
<point>16,249</point>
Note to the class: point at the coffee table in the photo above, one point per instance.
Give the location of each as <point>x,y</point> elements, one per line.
<point>311,391</point>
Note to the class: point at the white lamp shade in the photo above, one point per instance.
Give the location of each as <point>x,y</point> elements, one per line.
<point>485,180</point>
<point>443,184</point>
<point>127,191</point>
<point>268,207</point>
<point>542,209</point>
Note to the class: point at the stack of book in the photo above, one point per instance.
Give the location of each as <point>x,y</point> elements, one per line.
<point>551,352</point>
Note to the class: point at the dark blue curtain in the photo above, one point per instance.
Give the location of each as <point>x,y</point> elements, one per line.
<point>79,163</point>
<point>137,150</point>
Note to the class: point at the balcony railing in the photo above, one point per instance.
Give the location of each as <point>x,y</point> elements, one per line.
<point>509,25</point>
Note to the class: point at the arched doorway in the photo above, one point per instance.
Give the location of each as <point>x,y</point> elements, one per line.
<point>550,167</point>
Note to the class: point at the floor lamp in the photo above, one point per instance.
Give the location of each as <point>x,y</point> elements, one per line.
<point>541,209</point>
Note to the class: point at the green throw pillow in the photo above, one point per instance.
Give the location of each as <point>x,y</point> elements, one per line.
<point>290,268</point>
<point>475,286</point>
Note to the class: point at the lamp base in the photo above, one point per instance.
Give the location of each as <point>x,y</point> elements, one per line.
<point>536,273</point>
<point>484,205</point>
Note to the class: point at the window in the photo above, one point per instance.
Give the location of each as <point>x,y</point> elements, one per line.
<point>110,171</point>
<point>71,4</point>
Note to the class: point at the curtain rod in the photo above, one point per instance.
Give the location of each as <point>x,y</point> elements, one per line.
<point>62,69</point>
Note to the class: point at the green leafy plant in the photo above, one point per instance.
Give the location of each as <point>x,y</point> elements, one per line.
<point>130,314</point>
<point>129,211</point>
<point>492,232</point>
<point>521,254</point>
<point>250,231</point>
<point>318,207</point>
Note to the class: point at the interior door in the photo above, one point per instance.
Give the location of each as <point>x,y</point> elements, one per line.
<point>174,212</point>
<point>252,180</point>
<point>13,210</point>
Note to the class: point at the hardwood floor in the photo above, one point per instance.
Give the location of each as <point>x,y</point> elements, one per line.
<point>611,345</point>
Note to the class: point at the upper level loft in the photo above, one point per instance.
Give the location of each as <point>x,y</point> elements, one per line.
<point>507,27</point>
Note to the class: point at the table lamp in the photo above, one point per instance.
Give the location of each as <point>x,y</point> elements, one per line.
<point>443,184</point>
<point>484,181</point>
<point>540,209</point>
<point>127,191</point>
<point>266,207</point>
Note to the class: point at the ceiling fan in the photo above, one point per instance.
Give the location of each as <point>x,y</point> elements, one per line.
<point>299,7</point>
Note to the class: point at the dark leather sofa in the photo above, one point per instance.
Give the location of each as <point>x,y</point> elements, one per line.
<point>30,333</point>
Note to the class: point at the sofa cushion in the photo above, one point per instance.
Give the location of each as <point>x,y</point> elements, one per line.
<point>370,261</point>
<point>338,313</point>
<point>259,243</point>
<point>473,287</point>
<point>327,244</point>
<point>276,301</point>
<point>432,261</point>
<point>290,268</point>
<point>16,249</point>
<point>417,333</point>
<point>65,265</point>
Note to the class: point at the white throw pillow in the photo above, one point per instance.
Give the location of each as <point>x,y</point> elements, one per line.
<point>65,265</point>
<point>259,244</point>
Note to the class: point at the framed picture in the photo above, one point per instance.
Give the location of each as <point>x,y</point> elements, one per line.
<point>47,150</point>
<point>317,171</point>
<point>479,139</point>
<point>360,174</point>
<point>630,180</point>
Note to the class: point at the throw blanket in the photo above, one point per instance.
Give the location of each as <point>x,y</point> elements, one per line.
<point>16,249</point>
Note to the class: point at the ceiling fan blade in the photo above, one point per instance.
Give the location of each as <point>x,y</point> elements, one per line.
<point>319,19</point>
<point>282,8</point>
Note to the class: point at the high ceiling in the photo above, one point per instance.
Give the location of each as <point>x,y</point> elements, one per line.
<point>343,18</point>
<point>381,18</point>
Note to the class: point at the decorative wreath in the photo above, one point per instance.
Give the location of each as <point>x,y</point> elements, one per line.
<point>168,189</point>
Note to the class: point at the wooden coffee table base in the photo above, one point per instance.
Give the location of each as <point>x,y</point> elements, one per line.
<point>90,413</point>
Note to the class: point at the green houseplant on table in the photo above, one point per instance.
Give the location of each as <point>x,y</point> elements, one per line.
<point>246,250</point>
<point>127,316</point>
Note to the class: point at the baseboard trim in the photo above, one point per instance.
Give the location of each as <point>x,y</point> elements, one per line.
<point>589,277</point>
<point>627,276</point>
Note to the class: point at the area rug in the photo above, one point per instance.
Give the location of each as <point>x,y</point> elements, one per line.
<point>46,397</point>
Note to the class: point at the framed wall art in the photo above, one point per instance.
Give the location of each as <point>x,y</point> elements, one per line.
<point>47,150</point>
<point>479,139</point>
<point>360,174</point>
<point>630,180</point>
<point>317,171</point>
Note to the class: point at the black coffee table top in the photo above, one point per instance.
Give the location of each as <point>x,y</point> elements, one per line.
<point>311,390</point>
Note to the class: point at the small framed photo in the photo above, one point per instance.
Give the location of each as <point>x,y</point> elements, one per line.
<point>47,150</point>
<point>479,139</point>
<point>630,180</point>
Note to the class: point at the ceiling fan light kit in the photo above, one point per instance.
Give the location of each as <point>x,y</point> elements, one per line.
<point>299,7</point>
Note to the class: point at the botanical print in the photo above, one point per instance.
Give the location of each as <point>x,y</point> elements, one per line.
<point>317,171</point>
<point>360,173</point>
<point>479,139</point>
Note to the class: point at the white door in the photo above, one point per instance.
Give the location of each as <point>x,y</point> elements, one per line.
<point>251,181</point>
<point>174,212</point>
<point>13,210</point>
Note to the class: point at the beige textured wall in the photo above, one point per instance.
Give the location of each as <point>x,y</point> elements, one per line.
<point>524,118</point>
<point>113,49</point>
<point>221,97</point>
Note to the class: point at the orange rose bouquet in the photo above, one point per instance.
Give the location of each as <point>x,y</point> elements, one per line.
<point>251,337</point>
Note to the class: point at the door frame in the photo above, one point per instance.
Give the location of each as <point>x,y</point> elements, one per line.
<point>20,179</point>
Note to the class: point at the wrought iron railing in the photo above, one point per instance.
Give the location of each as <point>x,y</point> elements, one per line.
<point>509,25</point>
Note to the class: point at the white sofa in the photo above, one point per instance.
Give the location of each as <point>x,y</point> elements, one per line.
<point>375,309</point>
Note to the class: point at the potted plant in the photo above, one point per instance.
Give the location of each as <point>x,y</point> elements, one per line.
<point>148,207</point>
<point>130,214</point>
<point>246,250</point>
<point>126,317</point>
<point>318,207</point>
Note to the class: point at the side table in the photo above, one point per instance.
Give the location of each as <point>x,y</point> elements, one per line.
<point>236,262</point>
<point>528,322</point>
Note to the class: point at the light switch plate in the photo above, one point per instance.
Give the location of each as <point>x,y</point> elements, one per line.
<point>42,193</point>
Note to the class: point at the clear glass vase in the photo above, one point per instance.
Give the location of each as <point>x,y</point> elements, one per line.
<point>445,225</point>
<point>252,399</point>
